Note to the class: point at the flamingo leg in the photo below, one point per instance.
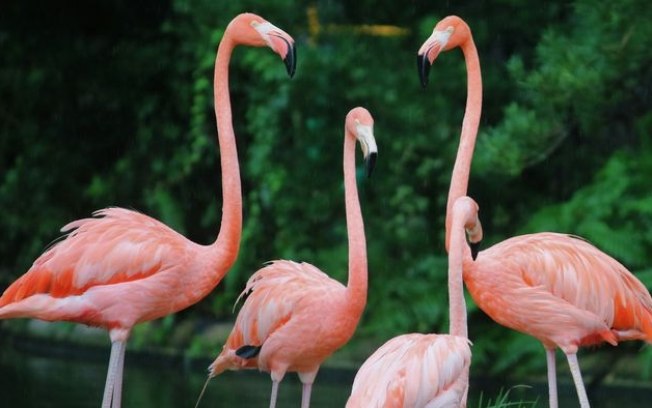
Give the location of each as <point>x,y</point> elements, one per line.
<point>552,377</point>
<point>305,395</point>
<point>117,386</point>
<point>577,379</point>
<point>307,379</point>
<point>117,348</point>
<point>272,400</point>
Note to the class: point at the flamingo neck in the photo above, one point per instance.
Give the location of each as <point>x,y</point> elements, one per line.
<point>227,244</point>
<point>456,255</point>
<point>462,168</point>
<point>357,284</point>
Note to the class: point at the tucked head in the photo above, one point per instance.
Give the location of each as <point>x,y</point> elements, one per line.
<point>360,124</point>
<point>468,209</point>
<point>252,30</point>
<point>449,33</point>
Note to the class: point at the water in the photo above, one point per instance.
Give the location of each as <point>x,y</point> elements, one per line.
<point>34,374</point>
<point>56,376</point>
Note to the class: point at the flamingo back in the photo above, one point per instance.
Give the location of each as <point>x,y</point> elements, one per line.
<point>569,276</point>
<point>414,370</point>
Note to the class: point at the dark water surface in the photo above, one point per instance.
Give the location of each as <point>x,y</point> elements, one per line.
<point>37,374</point>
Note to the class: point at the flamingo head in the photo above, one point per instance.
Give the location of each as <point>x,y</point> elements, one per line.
<point>467,206</point>
<point>360,124</point>
<point>250,29</point>
<point>449,33</point>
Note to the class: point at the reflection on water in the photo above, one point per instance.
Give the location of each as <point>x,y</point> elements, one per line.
<point>74,378</point>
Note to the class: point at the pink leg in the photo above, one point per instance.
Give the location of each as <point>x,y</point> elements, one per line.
<point>577,379</point>
<point>307,378</point>
<point>117,386</point>
<point>305,395</point>
<point>117,348</point>
<point>552,377</point>
<point>272,400</point>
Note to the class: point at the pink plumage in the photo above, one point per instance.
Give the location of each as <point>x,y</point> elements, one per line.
<point>414,370</point>
<point>561,290</point>
<point>284,299</point>
<point>112,271</point>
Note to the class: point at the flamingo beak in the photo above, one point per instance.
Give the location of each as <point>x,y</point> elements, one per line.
<point>281,42</point>
<point>429,51</point>
<point>474,237</point>
<point>475,249</point>
<point>365,136</point>
<point>423,65</point>
<point>290,59</point>
<point>370,163</point>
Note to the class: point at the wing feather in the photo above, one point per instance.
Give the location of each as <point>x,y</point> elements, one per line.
<point>273,294</point>
<point>575,271</point>
<point>115,246</point>
<point>414,370</point>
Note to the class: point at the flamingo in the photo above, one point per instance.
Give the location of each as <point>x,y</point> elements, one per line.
<point>295,316</point>
<point>555,287</point>
<point>121,267</point>
<point>427,370</point>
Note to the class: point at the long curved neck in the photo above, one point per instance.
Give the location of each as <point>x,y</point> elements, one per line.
<point>357,284</point>
<point>462,167</point>
<point>227,244</point>
<point>457,304</point>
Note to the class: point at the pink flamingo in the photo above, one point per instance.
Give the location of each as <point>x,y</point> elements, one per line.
<point>121,267</point>
<point>555,287</point>
<point>427,370</point>
<point>295,316</point>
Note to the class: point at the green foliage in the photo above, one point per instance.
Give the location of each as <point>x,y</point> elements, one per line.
<point>599,212</point>
<point>586,68</point>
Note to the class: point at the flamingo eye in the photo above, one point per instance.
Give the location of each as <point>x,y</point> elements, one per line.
<point>450,30</point>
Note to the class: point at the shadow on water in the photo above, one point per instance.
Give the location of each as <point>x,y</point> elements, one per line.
<point>57,375</point>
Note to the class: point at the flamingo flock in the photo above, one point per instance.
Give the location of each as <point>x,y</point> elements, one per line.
<point>120,268</point>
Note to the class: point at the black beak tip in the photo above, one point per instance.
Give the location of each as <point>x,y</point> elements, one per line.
<point>423,66</point>
<point>291,60</point>
<point>370,163</point>
<point>475,249</point>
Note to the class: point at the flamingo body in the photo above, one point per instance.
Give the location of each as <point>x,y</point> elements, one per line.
<point>427,370</point>
<point>121,267</point>
<point>414,370</point>
<point>557,288</point>
<point>295,316</point>
<point>561,290</point>
<point>295,311</point>
<point>113,271</point>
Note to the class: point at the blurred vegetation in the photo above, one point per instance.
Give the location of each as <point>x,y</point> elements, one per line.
<point>111,104</point>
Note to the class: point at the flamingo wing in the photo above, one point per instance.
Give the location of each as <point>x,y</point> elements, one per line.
<point>563,271</point>
<point>280,301</point>
<point>276,292</point>
<point>115,246</point>
<point>414,370</point>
